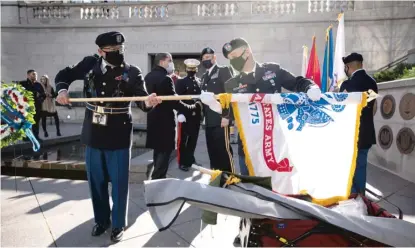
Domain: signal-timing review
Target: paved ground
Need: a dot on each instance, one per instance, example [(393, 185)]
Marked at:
[(49, 212)]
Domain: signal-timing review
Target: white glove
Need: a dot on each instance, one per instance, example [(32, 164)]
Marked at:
[(209, 99), (181, 118), (224, 122), (314, 93)]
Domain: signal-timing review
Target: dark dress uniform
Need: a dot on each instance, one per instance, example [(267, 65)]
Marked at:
[(360, 81), (107, 131), (217, 138), (190, 85), (161, 121)]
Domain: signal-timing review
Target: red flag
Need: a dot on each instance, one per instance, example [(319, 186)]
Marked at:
[(313, 69)]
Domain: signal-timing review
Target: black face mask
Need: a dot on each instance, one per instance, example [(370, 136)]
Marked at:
[(207, 64), (239, 62), (346, 69), (191, 73), (114, 58)]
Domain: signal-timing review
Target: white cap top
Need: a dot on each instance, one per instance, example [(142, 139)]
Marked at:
[(192, 63)]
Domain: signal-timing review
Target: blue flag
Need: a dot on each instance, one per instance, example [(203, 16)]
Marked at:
[(327, 76)]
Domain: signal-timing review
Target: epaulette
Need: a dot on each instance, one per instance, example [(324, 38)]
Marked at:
[(271, 65)]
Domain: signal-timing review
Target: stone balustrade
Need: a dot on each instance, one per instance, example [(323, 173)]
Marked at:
[(217, 9), (99, 12), (53, 12), (315, 6), (43, 12), (273, 7), (149, 11)]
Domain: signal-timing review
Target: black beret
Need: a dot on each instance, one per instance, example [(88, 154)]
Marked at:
[(207, 50), (352, 57), (110, 39), (232, 45)]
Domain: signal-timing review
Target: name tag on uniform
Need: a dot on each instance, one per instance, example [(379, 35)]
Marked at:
[(99, 119)]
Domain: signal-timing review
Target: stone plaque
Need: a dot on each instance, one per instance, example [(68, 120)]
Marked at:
[(387, 106), (405, 140), (407, 106), (375, 107), (385, 137)]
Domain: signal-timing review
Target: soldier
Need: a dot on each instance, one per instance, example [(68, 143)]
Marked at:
[(107, 126), (190, 85), (360, 81), (265, 78), (216, 128)]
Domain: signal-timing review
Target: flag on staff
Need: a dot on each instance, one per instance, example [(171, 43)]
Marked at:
[(304, 63), (327, 76), (282, 133), (339, 53), (313, 69)]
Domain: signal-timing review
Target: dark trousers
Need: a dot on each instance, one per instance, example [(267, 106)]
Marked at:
[(188, 141), (105, 166), (243, 168), (55, 116), (359, 179), (37, 117), (158, 169), (219, 149)]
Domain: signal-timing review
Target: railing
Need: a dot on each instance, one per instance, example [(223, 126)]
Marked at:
[(393, 63), (177, 10), (217, 9)]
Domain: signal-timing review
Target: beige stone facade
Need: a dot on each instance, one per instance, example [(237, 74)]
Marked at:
[(48, 37)]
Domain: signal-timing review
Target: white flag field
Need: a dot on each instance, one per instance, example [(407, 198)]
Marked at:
[(306, 147), (339, 53)]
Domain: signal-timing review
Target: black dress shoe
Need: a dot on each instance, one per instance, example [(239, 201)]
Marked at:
[(98, 229), (46, 134), (58, 133), (117, 234), (183, 168), (237, 241)]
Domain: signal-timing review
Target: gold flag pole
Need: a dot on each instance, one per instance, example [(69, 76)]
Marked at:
[(371, 96), (134, 98)]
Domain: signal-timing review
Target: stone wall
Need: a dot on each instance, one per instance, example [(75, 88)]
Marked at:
[(48, 39), (395, 127)]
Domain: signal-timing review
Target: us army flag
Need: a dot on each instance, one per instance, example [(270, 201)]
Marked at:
[(305, 146)]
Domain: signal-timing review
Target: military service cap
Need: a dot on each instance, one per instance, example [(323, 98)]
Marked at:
[(110, 39), (191, 64), (207, 50), (232, 45), (352, 57)]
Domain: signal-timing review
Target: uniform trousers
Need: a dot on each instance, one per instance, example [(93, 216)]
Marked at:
[(188, 141), (219, 149), (243, 168), (158, 169), (105, 166), (359, 179)]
